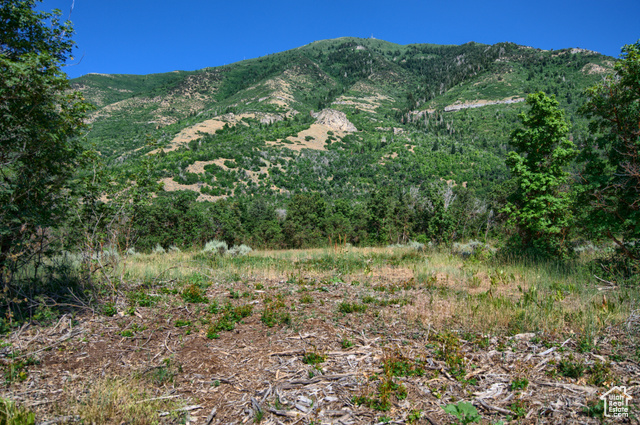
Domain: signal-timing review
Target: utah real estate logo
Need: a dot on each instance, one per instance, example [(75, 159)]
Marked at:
[(616, 402)]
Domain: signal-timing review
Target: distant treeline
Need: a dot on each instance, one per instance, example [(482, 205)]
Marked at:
[(437, 213)]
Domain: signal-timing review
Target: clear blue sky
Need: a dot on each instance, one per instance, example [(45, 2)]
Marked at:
[(149, 36)]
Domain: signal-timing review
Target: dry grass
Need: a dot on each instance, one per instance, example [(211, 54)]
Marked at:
[(116, 400)]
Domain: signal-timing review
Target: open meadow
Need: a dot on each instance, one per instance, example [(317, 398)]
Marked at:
[(342, 335)]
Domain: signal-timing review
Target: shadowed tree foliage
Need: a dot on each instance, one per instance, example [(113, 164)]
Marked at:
[(611, 176), (40, 122)]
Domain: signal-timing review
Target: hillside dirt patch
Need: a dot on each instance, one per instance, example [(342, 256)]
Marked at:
[(312, 138), (171, 185)]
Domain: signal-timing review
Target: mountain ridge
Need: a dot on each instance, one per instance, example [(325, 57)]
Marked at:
[(427, 95)]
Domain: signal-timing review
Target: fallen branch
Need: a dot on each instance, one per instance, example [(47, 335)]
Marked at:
[(496, 408), (182, 409)]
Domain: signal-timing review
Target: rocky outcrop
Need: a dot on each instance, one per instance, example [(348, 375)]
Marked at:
[(480, 103), (336, 120)]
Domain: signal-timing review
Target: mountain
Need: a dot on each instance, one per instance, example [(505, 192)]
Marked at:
[(340, 117)]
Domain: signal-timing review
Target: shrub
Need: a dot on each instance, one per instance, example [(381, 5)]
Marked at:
[(216, 247), (240, 250)]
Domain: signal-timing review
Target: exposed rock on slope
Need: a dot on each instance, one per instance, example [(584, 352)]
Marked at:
[(480, 103), (336, 120)]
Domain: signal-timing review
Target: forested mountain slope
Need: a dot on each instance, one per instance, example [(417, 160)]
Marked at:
[(406, 116)]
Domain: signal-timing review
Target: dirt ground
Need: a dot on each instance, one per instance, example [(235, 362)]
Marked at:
[(334, 351)]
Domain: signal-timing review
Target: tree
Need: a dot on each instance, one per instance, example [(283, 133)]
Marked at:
[(611, 175), (40, 124), (541, 205)]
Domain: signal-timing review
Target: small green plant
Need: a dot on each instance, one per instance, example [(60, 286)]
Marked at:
[(571, 368), (313, 358), (414, 416), (464, 411), (109, 309), (228, 320), (594, 409), (182, 323), (346, 343), (275, 313), (12, 414), (519, 408), (519, 384), (16, 370), (395, 364), (306, 299), (599, 374), (258, 416), (347, 307), (214, 307), (193, 294), (165, 373), (127, 333)]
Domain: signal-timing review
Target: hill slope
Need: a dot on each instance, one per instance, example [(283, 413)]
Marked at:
[(420, 113)]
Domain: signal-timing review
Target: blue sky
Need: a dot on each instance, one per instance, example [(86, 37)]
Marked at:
[(149, 36)]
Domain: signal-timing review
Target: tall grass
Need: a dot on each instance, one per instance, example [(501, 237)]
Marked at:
[(506, 295)]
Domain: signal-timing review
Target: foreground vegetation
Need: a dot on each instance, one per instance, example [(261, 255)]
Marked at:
[(418, 316)]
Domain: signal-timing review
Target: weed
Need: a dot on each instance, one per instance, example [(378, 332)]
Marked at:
[(164, 374), (347, 307), (214, 307), (395, 364), (313, 358), (275, 313), (346, 343), (12, 414), (594, 409), (519, 384), (449, 352), (16, 370), (571, 368), (258, 416), (306, 299), (228, 320), (464, 411), (182, 323), (519, 408), (109, 309), (599, 374), (193, 294), (116, 400), (141, 299), (414, 416)]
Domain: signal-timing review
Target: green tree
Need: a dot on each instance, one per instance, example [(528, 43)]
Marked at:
[(541, 205), (611, 175), (40, 124), (304, 224)]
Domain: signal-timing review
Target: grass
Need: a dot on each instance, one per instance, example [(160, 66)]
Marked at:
[(511, 296), (120, 400)]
